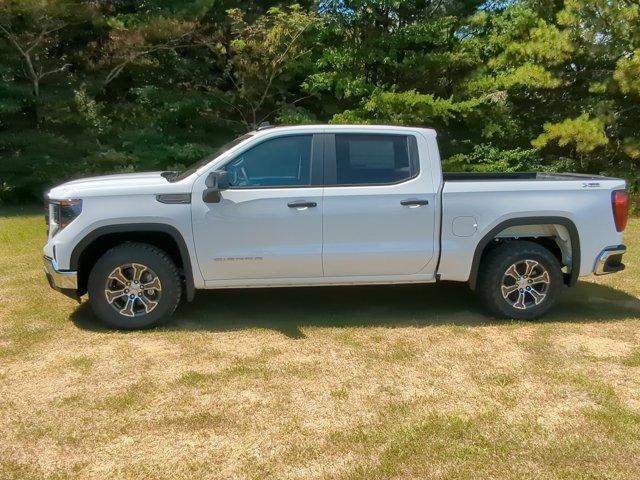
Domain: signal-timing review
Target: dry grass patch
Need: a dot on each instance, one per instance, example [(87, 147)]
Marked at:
[(379, 382)]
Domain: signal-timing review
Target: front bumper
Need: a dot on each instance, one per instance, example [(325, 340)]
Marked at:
[(610, 260), (65, 282)]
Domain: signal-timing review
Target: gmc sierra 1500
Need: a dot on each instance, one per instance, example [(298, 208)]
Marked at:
[(328, 205)]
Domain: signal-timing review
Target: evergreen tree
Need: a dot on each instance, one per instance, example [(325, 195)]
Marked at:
[(94, 87)]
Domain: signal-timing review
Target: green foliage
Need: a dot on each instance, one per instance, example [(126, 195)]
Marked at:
[(95, 87), (544, 45), (263, 57), (486, 158), (90, 112), (408, 108), (582, 134), (627, 74), (295, 116)]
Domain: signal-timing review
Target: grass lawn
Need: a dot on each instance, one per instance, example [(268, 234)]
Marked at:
[(375, 382)]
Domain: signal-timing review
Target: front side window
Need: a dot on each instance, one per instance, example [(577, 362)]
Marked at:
[(279, 162), (373, 159), (177, 176)]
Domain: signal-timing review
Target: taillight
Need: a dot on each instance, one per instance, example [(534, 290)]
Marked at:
[(620, 206)]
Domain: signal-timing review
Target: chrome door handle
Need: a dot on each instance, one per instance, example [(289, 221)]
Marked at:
[(302, 204), (413, 202)]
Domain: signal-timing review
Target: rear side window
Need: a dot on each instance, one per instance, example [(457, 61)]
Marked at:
[(363, 159), (279, 162)]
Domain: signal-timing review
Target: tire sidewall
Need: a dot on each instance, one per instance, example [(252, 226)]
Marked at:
[(497, 266), (152, 258)]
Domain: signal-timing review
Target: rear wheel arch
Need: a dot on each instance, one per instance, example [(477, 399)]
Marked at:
[(100, 240), (484, 245)]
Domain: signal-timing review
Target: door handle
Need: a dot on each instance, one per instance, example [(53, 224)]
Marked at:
[(302, 204), (414, 202)]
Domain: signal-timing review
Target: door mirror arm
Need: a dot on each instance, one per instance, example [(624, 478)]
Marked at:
[(215, 183)]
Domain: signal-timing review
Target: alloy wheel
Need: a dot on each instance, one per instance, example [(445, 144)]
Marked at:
[(525, 284), (133, 289)]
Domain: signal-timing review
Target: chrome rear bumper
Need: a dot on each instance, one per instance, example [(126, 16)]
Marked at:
[(610, 260), (64, 281)]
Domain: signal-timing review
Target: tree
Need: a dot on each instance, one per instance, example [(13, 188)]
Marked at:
[(137, 44), (93, 87), (261, 59), (32, 33)]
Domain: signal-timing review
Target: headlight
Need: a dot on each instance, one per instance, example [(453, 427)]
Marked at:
[(61, 213)]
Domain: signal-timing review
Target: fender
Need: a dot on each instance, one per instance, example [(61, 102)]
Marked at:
[(515, 222), (140, 227)]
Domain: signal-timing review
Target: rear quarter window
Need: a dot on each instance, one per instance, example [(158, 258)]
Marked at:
[(364, 159)]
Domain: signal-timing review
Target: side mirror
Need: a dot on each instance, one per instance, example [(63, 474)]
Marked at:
[(215, 182)]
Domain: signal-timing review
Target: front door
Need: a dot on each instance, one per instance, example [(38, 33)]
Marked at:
[(268, 223), (379, 208)]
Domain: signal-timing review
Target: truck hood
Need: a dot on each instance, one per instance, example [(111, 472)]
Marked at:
[(121, 184)]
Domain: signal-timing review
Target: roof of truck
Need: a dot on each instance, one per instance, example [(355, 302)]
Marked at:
[(345, 128)]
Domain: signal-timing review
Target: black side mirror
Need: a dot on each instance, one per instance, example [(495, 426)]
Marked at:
[(215, 182)]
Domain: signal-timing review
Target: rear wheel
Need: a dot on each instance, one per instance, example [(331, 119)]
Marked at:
[(134, 285), (519, 280)]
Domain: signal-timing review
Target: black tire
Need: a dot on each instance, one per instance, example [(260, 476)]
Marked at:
[(146, 311), (496, 274)]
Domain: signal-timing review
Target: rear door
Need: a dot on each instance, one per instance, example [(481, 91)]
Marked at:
[(379, 207)]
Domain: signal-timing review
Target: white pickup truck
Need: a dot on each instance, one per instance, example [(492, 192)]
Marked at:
[(328, 205)]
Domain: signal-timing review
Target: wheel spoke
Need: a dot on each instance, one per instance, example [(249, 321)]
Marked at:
[(508, 290), (137, 271), (113, 294), (537, 296), (147, 303), (118, 276), (127, 310), (152, 285), (531, 264), (512, 272), (544, 278), (520, 302)]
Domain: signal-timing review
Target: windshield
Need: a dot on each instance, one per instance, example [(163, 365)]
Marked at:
[(176, 176)]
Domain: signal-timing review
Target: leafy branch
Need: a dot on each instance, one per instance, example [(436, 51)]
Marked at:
[(28, 49)]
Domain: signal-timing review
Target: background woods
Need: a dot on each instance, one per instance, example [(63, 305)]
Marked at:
[(92, 87)]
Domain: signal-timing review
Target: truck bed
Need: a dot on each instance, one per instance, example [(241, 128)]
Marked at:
[(475, 203), (491, 176)]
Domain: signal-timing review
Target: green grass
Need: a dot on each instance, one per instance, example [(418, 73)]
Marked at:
[(347, 383)]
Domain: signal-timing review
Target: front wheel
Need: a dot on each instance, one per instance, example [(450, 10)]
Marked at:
[(519, 280), (134, 285)]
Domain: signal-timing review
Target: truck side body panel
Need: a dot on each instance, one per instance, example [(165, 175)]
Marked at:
[(484, 204)]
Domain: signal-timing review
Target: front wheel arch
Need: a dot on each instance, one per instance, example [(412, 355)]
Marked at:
[(160, 235)]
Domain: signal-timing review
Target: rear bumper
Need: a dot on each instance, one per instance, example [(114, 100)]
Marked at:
[(610, 260), (65, 282)]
